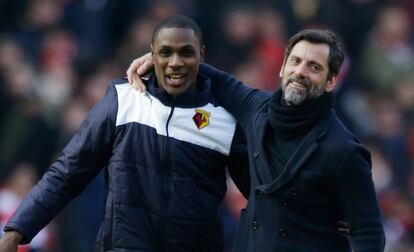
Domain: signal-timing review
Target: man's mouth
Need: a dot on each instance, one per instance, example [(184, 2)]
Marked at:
[(175, 79), (299, 83)]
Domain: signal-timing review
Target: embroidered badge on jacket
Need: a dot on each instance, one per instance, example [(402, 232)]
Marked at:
[(201, 118)]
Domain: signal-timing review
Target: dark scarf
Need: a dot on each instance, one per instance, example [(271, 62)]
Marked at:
[(288, 121)]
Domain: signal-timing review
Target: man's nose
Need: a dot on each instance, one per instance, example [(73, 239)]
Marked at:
[(175, 61), (301, 70)]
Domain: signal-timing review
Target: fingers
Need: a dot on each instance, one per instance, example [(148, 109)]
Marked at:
[(132, 69), (343, 227), (344, 231), (140, 66), (137, 83), (343, 224), (145, 68)]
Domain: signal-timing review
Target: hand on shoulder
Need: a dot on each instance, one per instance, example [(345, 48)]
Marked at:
[(10, 241)]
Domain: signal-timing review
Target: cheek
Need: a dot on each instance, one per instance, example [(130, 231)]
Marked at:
[(160, 62), (288, 69), (318, 84), (158, 67)]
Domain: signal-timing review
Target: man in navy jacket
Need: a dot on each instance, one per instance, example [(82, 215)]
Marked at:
[(307, 170), (164, 153)]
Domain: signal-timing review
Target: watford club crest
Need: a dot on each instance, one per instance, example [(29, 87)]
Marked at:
[(201, 118)]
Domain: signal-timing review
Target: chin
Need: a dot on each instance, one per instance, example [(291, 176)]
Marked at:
[(175, 92), (294, 97)]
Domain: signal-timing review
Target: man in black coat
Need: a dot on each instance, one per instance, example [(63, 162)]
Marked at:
[(307, 170)]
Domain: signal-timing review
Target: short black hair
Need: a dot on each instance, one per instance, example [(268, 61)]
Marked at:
[(318, 36), (178, 21)]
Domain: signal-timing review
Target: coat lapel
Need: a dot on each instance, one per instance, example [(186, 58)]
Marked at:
[(302, 153)]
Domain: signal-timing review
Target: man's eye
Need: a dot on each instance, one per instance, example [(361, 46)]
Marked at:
[(294, 60), (315, 68), (164, 53), (188, 53)]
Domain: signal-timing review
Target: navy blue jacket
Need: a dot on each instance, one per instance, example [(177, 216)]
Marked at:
[(164, 162), (327, 179)]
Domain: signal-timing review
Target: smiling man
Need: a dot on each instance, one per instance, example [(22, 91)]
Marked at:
[(307, 169), (164, 153), (296, 82), (177, 54)]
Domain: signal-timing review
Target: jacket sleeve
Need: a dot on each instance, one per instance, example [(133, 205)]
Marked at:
[(238, 163), (238, 99), (358, 199), (80, 161)]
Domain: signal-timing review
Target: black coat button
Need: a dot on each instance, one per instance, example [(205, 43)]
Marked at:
[(282, 232), (256, 154), (255, 225), (284, 203)]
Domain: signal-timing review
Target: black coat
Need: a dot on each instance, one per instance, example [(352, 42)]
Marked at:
[(327, 179)]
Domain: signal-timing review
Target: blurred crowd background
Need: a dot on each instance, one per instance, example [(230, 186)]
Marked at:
[(57, 56)]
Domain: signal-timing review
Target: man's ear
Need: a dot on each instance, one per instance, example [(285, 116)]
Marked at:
[(152, 50), (330, 85), (202, 52)]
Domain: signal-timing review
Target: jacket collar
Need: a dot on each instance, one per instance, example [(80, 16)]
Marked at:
[(197, 97), (303, 152)]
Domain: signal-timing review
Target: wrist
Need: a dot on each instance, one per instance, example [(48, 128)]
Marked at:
[(14, 236)]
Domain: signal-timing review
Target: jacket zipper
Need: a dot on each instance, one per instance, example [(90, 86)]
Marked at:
[(169, 119), (167, 180)]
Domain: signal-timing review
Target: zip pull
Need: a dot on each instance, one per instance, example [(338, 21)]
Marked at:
[(170, 116)]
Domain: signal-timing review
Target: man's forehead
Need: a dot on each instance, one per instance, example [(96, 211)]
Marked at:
[(175, 46), (176, 35), (313, 51)]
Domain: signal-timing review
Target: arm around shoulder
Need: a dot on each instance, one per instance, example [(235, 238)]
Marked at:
[(233, 95)]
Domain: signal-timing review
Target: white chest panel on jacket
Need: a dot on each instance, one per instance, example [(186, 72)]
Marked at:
[(207, 126)]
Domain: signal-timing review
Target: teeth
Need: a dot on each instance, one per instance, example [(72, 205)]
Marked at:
[(299, 84), (178, 76)]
